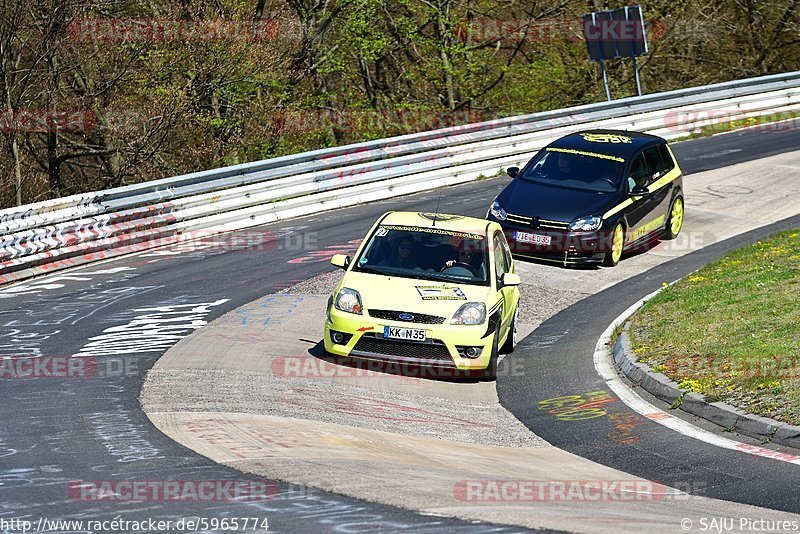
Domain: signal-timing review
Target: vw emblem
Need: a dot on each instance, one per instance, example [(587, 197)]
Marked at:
[(405, 317)]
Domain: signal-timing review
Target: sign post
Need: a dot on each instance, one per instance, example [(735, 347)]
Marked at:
[(614, 34), (605, 80)]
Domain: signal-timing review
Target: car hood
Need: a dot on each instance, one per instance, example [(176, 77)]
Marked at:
[(522, 197), (413, 295)]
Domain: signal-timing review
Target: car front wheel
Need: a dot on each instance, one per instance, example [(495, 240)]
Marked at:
[(614, 253), (511, 339)]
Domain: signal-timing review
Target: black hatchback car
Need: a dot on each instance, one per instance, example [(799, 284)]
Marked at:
[(590, 196)]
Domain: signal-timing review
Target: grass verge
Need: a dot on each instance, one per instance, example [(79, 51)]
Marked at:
[(731, 331)]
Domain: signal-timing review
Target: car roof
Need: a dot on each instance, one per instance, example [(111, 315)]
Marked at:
[(621, 143), (445, 221)]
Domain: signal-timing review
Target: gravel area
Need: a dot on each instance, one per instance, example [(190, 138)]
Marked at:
[(538, 303), (231, 391), (322, 284)]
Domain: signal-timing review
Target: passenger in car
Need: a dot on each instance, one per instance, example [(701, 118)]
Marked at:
[(402, 255)]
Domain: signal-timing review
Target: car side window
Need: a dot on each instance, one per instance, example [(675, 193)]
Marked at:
[(655, 167), (506, 252), (638, 174), (666, 159), (500, 264)]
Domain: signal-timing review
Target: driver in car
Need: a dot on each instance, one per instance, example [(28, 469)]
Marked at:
[(466, 255), (558, 165)]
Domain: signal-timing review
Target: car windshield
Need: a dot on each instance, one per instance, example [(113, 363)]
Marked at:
[(427, 254), (575, 169)]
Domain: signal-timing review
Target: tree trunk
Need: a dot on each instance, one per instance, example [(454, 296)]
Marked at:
[(445, 41), (17, 170), (12, 134), (12, 131), (53, 163)]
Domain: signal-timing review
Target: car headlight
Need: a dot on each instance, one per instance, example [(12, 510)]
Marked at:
[(348, 300), (586, 224), (470, 313), (497, 211)]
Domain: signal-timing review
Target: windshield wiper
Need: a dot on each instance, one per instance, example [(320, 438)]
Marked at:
[(447, 279), (532, 175), (428, 277), (371, 270), (433, 277)]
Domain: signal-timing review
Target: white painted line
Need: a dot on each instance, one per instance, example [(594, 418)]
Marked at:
[(608, 371)]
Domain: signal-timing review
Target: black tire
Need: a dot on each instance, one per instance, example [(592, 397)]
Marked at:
[(511, 339), (613, 255), (671, 231), (490, 373)]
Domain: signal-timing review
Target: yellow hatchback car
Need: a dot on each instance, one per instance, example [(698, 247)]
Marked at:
[(427, 289)]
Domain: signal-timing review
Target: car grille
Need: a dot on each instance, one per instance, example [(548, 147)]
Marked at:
[(535, 222), (431, 350), (392, 315)]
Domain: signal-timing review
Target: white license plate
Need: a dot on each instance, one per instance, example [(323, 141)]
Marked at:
[(536, 239), (411, 334)]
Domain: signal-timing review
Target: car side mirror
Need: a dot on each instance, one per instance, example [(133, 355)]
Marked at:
[(340, 260), (512, 171), (510, 279), (639, 190)]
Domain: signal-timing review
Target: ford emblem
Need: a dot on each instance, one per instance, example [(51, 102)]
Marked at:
[(406, 317)]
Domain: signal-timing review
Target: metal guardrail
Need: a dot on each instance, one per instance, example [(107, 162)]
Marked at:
[(64, 232)]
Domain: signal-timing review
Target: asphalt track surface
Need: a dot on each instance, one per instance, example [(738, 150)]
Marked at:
[(56, 431)]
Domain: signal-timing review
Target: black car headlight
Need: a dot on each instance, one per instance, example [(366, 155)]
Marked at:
[(497, 211), (586, 224)]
